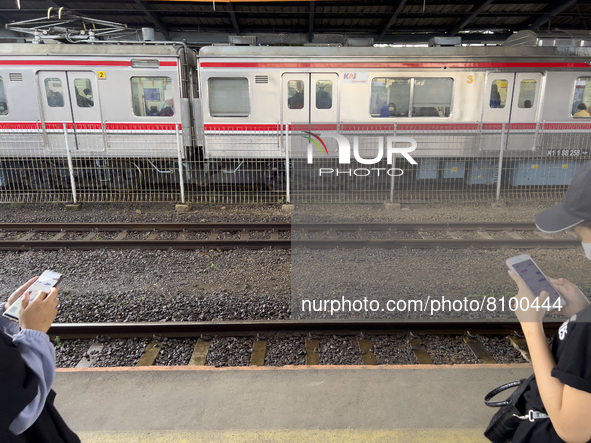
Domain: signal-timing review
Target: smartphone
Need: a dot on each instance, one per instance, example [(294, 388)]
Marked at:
[(534, 278), (44, 283)]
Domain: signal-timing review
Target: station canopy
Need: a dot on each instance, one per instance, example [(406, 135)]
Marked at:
[(338, 22)]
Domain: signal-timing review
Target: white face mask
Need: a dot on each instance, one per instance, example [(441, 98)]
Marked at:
[(587, 249)]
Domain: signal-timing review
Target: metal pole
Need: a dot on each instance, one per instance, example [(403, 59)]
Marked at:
[(499, 175), (180, 160), (393, 166), (70, 164), (287, 181)]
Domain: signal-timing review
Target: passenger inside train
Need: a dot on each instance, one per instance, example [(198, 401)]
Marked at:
[(581, 111)]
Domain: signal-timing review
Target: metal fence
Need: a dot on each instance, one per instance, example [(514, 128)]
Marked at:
[(482, 161)]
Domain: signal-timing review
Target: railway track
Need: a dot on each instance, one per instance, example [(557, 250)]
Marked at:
[(55, 236), (258, 335)]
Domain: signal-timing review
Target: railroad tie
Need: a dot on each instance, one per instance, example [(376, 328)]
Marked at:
[(521, 345), (121, 235), (420, 351), (90, 357), (150, 353), (58, 236), (90, 236), (479, 350), (259, 350), (367, 355), (200, 352), (312, 352), (27, 236)]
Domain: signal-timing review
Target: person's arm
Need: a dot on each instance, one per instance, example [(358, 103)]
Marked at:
[(39, 356), (567, 407), (38, 353)]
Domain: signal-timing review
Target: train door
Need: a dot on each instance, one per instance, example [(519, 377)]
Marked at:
[(310, 102), (513, 98), (71, 97)]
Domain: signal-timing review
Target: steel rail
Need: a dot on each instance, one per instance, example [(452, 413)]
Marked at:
[(254, 327), (300, 230), (82, 227)]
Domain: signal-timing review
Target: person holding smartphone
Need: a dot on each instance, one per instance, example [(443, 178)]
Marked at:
[(560, 394), (27, 370)]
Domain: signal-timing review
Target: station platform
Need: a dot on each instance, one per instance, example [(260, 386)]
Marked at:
[(425, 403)]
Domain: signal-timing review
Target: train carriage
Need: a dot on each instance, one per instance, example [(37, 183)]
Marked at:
[(120, 104), (245, 113), (453, 101)]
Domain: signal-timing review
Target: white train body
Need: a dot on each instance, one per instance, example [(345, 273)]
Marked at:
[(453, 85), (230, 103), (42, 88)]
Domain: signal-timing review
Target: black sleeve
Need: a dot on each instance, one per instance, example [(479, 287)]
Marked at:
[(16, 390), (574, 358)]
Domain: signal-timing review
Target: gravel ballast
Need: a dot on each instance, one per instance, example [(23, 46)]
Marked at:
[(212, 285)]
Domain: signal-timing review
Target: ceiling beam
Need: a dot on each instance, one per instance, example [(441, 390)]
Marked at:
[(393, 18), (311, 21), (549, 12), (476, 9), (153, 18), (233, 18)]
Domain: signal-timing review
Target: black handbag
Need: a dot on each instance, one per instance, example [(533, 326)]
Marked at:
[(504, 423)]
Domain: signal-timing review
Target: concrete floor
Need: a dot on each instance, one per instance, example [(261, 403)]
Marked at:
[(319, 403)]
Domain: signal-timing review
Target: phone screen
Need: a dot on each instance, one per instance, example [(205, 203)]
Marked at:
[(535, 279), (44, 283)]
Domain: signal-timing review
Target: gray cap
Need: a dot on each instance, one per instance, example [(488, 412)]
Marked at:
[(576, 207)]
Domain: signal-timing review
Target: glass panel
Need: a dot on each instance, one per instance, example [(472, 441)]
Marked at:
[(390, 97), (3, 102), (295, 94), (582, 97), (432, 97), (323, 94), (498, 93), (527, 93), (228, 97), (83, 90), (152, 96), (54, 92)]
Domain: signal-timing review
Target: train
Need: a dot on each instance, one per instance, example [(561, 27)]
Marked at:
[(120, 111)]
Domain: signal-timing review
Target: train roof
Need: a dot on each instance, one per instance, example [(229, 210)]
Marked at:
[(102, 49), (393, 52)]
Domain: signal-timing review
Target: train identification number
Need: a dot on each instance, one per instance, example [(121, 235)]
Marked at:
[(566, 153)]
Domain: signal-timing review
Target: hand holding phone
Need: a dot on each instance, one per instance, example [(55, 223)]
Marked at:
[(45, 283), (525, 267)]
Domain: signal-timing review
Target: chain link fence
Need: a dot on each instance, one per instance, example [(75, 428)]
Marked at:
[(480, 161)]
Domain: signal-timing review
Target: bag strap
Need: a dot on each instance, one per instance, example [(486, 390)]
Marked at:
[(532, 415), (497, 390)]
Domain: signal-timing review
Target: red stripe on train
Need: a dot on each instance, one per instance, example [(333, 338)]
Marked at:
[(437, 65), (75, 63), (90, 126)]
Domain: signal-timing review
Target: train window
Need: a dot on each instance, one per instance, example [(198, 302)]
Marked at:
[(228, 97), (498, 93), (295, 94), (582, 97), (54, 92), (390, 97), (432, 97), (152, 96), (323, 94), (3, 102), (83, 89), (527, 93)]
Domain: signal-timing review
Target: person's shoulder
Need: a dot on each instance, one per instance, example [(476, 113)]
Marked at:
[(584, 316)]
